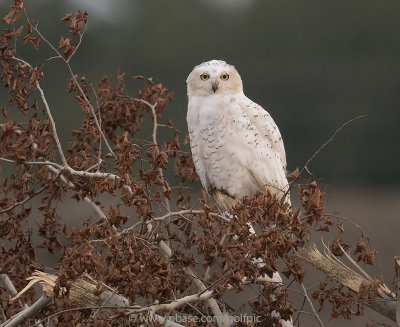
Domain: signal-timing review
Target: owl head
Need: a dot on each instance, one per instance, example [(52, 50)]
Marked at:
[(214, 77)]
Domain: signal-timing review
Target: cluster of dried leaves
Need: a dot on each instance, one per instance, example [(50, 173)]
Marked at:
[(105, 156), (344, 303)]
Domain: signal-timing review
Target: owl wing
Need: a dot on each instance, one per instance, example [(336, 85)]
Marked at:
[(196, 145), (266, 126), (230, 153)]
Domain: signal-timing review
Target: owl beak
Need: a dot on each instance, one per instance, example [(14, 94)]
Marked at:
[(214, 86)]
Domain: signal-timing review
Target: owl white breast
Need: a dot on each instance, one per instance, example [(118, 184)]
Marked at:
[(236, 146)]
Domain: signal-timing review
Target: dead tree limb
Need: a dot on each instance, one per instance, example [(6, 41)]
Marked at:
[(25, 314), (331, 266)]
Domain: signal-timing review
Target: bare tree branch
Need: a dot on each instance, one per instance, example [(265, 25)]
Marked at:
[(311, 305), (52, 122), (79, 42), (330, 140), (154, 136), (30, 196), (74, 172), (16, 204), (332, 267), (175, 214), (305, 167), (199, 284), (67, 63), (25, 314)]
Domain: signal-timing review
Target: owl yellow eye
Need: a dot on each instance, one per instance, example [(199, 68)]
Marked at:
[(224, 77), (204, 77)]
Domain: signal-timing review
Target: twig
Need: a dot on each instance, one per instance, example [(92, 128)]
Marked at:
[(52, 122), (330, 140), (74, 172), (41, 36), (191, 212), (97, 175), (298, 312), (363, 233), (7, 160), (176, 213), (58, 169), (199, 284), (31, 162), (67, 63), (79, 42), (99, 111), (211, 301), (305, 167), (96, 165), (30, 196), (154, 137), (311, 305), (91, 108)]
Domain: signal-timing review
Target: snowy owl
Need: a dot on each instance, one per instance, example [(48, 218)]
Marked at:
[(236, 146)]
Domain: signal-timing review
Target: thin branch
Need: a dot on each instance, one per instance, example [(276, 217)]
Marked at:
[(311, 305), (154, 137), (91, 108), (7, 160), (67, 63), (298, 312), (97, 175), (305, 167), (29, 197), (74, 172), (363, 233), (96, 165), (41, 36), (199, 284), (203, 289), (44, 163), (176, 213), (330, 140), (79, 42), (58, 169), (191, 212), (99, 112), (16, 204), (52, 122)]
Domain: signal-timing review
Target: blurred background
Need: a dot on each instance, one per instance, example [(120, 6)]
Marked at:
[(312, 64)]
